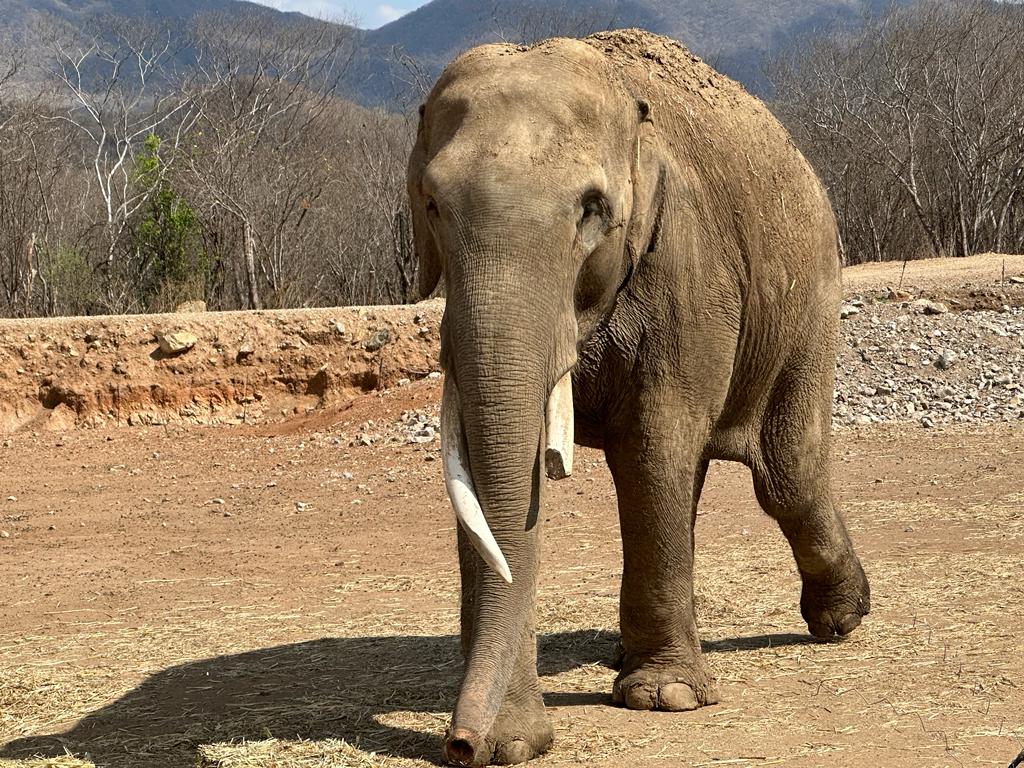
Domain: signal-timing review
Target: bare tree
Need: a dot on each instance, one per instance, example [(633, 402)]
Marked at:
[(916, 125), (118, 88), (261, 156)]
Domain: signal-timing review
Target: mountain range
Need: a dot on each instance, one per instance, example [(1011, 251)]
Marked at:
[(733, 35)]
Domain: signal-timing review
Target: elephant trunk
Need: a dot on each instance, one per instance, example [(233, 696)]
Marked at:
[(499, 388)]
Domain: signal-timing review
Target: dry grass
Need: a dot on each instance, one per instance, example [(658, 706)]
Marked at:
[(273, 753)]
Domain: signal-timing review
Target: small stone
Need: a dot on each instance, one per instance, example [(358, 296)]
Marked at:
[(339, 328), (402, 382), (378, 340), (302, 506), (425, 435), (216, 501), (929, 307), (848, 310), (1017, 280), (926, 422), (175, 342), (946, 360), (434, 375), (4, 535)]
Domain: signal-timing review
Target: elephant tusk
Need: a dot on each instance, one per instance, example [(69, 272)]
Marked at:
[(459, 483), (560, 430)]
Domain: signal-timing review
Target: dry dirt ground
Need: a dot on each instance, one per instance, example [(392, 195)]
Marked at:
[(278, 594)]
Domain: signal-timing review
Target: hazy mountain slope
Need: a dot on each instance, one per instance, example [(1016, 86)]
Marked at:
[(734, 35)]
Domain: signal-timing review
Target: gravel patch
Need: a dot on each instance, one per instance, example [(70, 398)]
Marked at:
[(904, 362)]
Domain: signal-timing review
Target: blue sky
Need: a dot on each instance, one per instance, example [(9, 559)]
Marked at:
[(368, 13)]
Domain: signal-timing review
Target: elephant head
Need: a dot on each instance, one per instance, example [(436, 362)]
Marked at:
[(534, 190)]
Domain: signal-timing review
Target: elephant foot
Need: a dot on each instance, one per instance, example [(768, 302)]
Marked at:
[(675, 688), (833, 608), (520, 733)]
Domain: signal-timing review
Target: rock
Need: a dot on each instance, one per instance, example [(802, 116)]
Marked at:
[(946, 360), (425, 435), (378, 340), (928, 307), (244, 352), (191, 306), (848, 310), (926, 422), (4, 535), (339, 328), (175, 342), (1017, 280)]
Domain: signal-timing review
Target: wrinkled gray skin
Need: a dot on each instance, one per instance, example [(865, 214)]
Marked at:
[(617, 208)]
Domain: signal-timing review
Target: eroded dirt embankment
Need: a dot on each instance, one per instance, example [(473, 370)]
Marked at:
[(237, 367), (963, 361)]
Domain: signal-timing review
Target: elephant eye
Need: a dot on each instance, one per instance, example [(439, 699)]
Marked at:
[(431, 207), (593, 205)]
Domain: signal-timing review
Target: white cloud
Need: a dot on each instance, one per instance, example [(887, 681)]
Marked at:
[(388, 13)]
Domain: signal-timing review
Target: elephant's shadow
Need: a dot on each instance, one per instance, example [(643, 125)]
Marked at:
[(386, 694)]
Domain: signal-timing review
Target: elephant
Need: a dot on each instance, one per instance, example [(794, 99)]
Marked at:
[(636, 258)]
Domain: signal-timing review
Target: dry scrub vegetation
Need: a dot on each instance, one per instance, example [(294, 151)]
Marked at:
[(145, 166)]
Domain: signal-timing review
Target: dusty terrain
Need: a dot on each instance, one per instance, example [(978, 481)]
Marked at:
[(280, 590)]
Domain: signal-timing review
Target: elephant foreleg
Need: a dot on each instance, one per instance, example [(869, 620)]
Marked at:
[(658, 470), (522, 729)]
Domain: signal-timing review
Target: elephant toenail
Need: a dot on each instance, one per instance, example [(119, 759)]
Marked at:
[(512, 752), (677, 697), (640, 697)]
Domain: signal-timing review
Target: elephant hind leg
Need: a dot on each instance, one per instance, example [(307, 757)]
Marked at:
[(792, 480)]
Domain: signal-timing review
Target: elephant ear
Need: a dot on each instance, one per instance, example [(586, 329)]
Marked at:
[(648, 187), (429, 269)]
